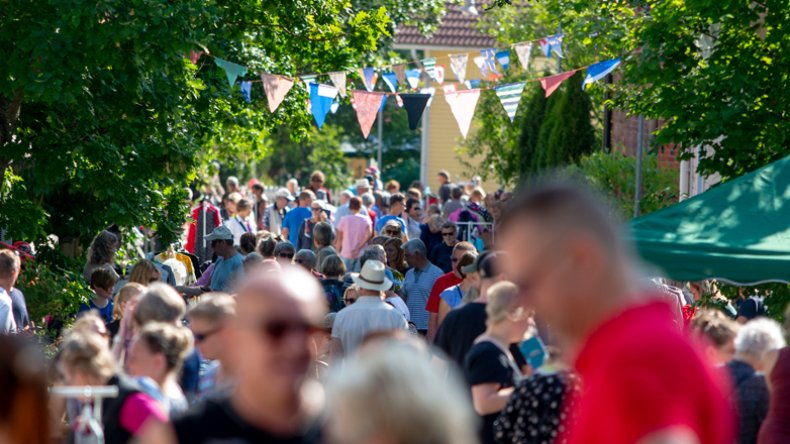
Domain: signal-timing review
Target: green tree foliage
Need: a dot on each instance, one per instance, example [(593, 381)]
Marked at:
[(615, 175), (715, 71), (103, 119), (566, 132)]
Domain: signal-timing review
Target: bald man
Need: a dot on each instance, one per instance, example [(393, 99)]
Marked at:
[(272, 332), (644, 382)]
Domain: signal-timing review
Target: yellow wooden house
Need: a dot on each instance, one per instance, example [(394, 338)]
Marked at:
[(440, 134)]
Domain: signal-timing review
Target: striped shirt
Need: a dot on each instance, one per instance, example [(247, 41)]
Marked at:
[(417, 287)]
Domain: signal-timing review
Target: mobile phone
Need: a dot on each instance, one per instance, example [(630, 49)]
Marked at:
[(534, 352)]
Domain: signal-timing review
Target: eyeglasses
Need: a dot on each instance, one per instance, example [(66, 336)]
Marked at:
[(448, 234), (392, 232), (286, 255), (200, 337), (277, 329)]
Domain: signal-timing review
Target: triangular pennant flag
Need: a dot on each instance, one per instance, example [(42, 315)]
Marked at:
[(335, 106), (194, 56), (399, 101), (400, 73), (369, 77), (383, 102), (458, 66), (338, 79), (321, 98), (415, 105), (599, 70), (524, 52), (503, 57), (440, 74), (308, 79), (472, 83), (246, 91), (430, 91), (232, 70), (480, 62), (367, 105), (489, 57), (391, 80), (413, 77), (463, 104), (429, 65), (510, 96), (551, 83), (275, 87), (555, 44), (449, 88)]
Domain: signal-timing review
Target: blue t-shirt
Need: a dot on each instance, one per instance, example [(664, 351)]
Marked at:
[(105, 313), (452, 296), (380, 223), (226, 272), (294, 219)]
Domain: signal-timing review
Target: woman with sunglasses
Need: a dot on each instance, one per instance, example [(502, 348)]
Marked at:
[(489, 367), (465, 291)]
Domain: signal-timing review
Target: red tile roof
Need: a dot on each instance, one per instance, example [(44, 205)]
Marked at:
[(456, 30)]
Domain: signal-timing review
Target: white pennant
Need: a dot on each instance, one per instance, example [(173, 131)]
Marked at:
[(463, 104), (524, 52), (338, 79), (458, 65)]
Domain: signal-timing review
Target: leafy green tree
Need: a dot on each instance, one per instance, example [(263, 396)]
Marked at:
[(566, 132), (525, 156)]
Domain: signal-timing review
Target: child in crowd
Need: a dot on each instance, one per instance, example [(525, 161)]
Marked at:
[(103, 281)]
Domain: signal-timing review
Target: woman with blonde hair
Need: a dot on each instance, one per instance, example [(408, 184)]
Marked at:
[(156, 357), (144, 272), (489, 367), (125, 301), (396, 257)]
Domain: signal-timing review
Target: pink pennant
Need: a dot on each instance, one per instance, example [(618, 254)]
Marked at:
[(439, 73), (550, 84), (463, 104), (275, 87), (367, 105), (194, 56)]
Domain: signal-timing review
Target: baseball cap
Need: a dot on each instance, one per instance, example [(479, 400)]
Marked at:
[(284, 193), (220, 233)]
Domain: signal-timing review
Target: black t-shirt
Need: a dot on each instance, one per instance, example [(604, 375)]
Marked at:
[(459, 330), (486, 363), (214, 421), (442, 257)]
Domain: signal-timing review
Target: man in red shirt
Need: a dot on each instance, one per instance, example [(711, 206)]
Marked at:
[(643, 381), (446, 281)]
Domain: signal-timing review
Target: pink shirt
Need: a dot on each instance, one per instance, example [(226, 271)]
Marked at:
[(356, 230)]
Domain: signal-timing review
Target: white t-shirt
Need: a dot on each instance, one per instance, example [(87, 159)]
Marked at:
[(7, 323)]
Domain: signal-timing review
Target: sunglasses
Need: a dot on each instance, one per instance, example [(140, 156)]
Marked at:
[(277, 329), (392, 232), (448, 234), (200, 337), (286, 255), (349, 301)]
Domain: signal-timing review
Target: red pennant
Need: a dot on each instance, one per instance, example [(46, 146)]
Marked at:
[(367, 105), (550, 84), (194, 56)]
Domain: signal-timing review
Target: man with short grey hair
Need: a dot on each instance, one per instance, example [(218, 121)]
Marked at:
[(9, 271), (418, 282)]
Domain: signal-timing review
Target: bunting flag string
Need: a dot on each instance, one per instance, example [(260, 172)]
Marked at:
[(391, 80), (599, 70), (232, 70), (429, 65), (415, 105), (367, 105), (458, 66), (503, 57), (510, 96), (338, 79), (489, 58), (463, 104), (524, 52), (275, 87), (413, 78), (551, 83), (321, 98), (552, 44)]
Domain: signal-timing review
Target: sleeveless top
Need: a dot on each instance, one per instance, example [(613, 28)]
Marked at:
[(776, 427)]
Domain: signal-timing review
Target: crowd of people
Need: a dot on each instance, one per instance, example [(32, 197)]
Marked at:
[(392, 317)]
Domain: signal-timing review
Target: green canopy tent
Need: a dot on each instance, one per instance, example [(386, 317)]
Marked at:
[(738, 231)]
